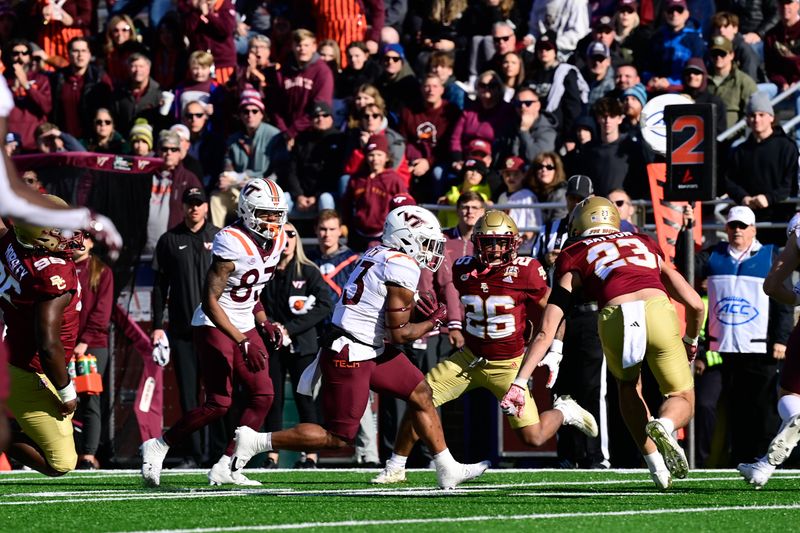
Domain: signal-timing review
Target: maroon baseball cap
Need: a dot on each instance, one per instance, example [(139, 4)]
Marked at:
[(377, 142), (513, 163), (479, 146), (400, 200), (634, 4), (675, 3)]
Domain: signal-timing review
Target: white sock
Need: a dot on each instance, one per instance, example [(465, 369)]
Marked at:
[(264, 442), (396, 461), (444, 459), (668, 424), (655, 462), (788, 407), (764, 464)]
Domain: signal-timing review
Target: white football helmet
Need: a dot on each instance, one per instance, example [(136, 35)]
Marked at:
[(260, 196), (415, 231)]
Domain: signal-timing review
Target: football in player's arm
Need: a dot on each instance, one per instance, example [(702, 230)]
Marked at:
[(627, 275)]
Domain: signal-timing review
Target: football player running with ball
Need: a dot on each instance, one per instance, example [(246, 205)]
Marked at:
[(500, 293), (228, 326), (627, 275), (358, 352)]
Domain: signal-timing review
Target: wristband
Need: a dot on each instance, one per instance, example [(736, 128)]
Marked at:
[(521, 383), (557, 346), (691, 341), (68, 393)]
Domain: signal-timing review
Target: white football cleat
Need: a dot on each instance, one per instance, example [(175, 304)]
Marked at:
[(784, 442), (153, 453), (575, 415), (387, 476), (757, 474), (662, 479), (669, 449), (220, 474), (450, 477), (246, 439)]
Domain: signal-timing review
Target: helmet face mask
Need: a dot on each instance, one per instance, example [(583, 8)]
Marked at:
[(496, 239), (52, 240), (263, 208), (416, 232), (594, 216)]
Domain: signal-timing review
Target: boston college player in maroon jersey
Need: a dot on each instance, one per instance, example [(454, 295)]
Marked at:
[(39, 303), (501, 293), (628, 277)]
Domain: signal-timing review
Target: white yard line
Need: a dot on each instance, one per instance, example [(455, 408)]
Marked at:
[(169, 494), (486, 518)]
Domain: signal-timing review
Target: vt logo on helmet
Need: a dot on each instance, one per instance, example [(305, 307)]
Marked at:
[(496, 239), (594, 216), (415, 231), (48, 239), (263, 208)]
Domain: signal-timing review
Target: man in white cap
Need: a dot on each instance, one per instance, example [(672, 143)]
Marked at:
[(763, 169), (749, 330)]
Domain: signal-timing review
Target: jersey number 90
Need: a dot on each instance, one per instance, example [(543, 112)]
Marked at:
[(485, 318)]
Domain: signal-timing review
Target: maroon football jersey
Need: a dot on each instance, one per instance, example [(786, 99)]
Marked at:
[(25, 278), (611, 265), (498, 303)]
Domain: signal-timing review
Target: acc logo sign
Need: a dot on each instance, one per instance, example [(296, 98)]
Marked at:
[(735, 311)]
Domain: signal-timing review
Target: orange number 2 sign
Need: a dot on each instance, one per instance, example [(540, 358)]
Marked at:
[(687, 153)]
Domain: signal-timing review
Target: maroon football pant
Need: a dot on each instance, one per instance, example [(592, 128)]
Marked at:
[(220, 360), (346, 386)]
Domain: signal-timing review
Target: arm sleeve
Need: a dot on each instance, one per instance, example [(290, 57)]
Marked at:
[(448, 293)]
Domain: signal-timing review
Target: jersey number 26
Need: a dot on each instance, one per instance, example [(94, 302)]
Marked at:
[(485, 319)]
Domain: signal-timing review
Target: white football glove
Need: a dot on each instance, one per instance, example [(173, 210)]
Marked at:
[(161, 352), (552, 361)]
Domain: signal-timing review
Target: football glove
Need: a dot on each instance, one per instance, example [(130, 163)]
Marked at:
[(161, 352), (431, 310), (272, 335), (513, 403), (103, 231), (254, 358), (552, 361), (691, 347)]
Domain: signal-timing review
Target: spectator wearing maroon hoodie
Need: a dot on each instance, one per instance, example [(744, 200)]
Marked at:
[(367, 199), (427, 129), (304, 80), (97, 300), (487, 118), (209, 24), (31, 89)]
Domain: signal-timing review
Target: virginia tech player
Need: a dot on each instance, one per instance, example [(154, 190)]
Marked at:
[(226, 335), (40, 304), (358, 350), (759, 472), (626, 274), (500, 292)]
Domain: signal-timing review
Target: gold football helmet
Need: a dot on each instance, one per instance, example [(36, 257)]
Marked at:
[(496, 238), (50, 239), (594, 216)]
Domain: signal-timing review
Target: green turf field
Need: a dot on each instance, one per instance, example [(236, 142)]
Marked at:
[(342, 500)]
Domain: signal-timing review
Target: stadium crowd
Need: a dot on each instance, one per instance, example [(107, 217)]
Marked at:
[(349, 105)]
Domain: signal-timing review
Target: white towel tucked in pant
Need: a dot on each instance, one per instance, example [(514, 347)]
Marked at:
[(634, 341)]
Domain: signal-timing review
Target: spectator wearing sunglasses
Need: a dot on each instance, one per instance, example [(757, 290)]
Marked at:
[(316, 163), (31, 90), (549, 182), (534, 132), (732, 85), (397, 84), (206, 145), (678, 39), (626, 209), (169, 184), (104, 138)]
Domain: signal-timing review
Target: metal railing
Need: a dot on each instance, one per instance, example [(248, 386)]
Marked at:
[(733, 130)]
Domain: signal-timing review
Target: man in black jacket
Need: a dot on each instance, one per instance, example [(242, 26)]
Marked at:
[(182, 257), (317, 163), (79, 90), (140, 98)]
